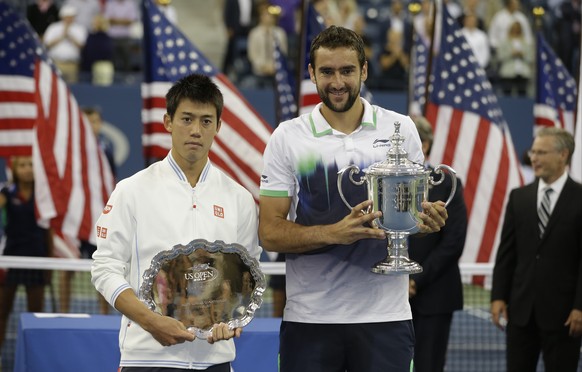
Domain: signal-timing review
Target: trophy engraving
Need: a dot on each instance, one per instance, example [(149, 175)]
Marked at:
[(204, 283), (397, 188), (402, 200)]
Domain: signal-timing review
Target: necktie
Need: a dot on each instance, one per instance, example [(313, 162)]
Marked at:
[(544, 211)]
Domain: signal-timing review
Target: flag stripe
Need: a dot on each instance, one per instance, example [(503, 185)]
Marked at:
[(495, 206)]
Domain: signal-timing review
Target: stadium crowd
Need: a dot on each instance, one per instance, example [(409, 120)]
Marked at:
[(100, 40)]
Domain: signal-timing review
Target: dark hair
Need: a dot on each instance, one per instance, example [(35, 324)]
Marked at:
[(424, 130), (564, 139), (197, 88), (335, 37)]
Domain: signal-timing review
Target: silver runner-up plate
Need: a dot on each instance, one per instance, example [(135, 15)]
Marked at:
[(204, 283)]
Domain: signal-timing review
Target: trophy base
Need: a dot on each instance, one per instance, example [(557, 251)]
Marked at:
[(397, 266)]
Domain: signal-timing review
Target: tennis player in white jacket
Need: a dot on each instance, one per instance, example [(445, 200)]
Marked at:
[(174, 201)]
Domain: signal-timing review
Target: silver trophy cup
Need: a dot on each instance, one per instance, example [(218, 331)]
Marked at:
[(397, 187)]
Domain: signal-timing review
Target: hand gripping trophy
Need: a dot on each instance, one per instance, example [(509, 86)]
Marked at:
[(397, 187)]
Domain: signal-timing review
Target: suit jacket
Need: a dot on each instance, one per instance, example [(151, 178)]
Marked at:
[(439, 287), (540, 275)]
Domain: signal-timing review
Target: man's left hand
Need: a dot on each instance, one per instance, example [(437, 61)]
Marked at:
[(433, 217), (222, 331)]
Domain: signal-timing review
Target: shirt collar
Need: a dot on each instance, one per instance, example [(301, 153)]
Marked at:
[(320, 127), (180, 173), (557, 185)]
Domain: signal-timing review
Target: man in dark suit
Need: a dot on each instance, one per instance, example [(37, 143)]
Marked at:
[(437, 292), (537, 279)]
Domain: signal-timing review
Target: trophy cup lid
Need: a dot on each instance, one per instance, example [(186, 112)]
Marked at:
[(396, 163)]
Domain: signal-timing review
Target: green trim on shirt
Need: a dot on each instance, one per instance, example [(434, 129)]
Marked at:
[(373, 123), (314, 130), (274, 193)]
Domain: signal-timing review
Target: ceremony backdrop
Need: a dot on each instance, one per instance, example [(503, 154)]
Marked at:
[(121, 106)]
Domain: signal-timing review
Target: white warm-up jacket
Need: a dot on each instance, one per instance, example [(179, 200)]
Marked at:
[(153, 211)]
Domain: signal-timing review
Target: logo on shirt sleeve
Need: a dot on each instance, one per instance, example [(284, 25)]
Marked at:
[(101, 232), (218, 211), (107, 209)]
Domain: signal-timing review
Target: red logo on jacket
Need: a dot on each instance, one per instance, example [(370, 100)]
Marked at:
[(101, 232), (218, 211), (107, 209)]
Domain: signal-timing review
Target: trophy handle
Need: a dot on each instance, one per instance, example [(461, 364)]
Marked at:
[(452, 173), (354, 169)]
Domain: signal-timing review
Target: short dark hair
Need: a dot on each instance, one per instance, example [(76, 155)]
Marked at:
[(335, 37), (197, 88), (564, 139)]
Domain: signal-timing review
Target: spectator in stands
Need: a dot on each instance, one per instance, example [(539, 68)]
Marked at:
[(350, 16), (475, 8), (121, 14), (41, 14), (168, 10), (328, 10), (287, 18), (536, 295), (477, 39), (503, 20), (437, 291), (87, 10), (515, 56), (261, 45), (290, 9), (394, 63), (399, 20), (220, 209), (454, 9), (339, 315), (86, 248), (238, 17), (64, 41), (24, 237), (567, 28), (97, 53), (96, 121), (423, 22)]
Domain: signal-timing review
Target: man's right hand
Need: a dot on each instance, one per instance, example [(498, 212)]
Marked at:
[(499, 314), (168, 331), (356, 225)]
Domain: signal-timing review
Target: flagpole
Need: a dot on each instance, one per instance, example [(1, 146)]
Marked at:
[(300, 69), (430, 57), (538, 13), (413, 9), (576, 162)]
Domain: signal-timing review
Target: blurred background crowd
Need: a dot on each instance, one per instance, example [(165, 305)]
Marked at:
[(100, 41)]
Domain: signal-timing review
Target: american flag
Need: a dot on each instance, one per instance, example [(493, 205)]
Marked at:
[(309, 97), (40, 117), (284, 89), (555, 103), (472, 136), (170, 56)]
